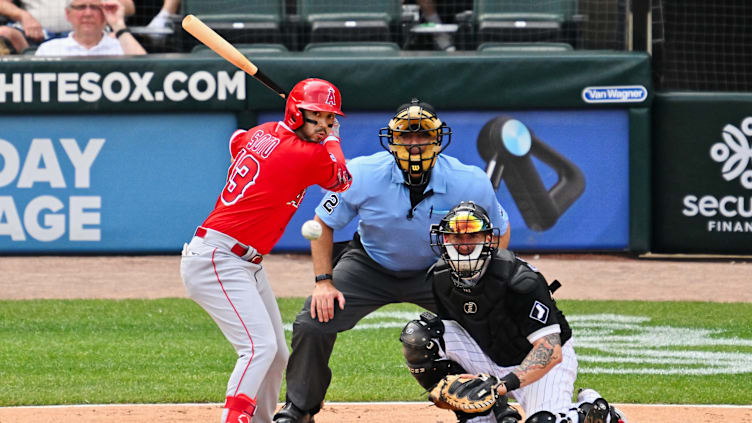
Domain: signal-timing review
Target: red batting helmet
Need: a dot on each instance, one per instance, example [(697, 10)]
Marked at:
[(311, 94)]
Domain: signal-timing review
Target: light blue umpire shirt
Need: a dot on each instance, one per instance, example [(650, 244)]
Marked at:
[(380, 198)]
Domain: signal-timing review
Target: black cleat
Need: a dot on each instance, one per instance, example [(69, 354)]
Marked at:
[(289, 413), (598, 413)]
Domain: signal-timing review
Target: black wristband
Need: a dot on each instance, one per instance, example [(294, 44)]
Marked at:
[(122, 31), (323, 277), (511, 381)]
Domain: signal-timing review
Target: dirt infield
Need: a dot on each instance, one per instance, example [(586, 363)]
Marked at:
[(342, 413), (601, 277), (597, 277)]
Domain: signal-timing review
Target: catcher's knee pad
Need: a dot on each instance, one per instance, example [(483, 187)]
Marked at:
[(544, 416), (420, 346)]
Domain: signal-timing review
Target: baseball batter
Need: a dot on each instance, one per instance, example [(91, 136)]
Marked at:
[(497, 316), (272, 165), (396, 196)]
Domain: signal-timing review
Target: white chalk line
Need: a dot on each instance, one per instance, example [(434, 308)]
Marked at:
[(630, 340), (392, 403)]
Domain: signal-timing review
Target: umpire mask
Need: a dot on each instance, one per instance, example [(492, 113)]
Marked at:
[(414, 136), (465, 238)]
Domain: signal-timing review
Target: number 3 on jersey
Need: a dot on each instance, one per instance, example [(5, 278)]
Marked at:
[(242, 174)]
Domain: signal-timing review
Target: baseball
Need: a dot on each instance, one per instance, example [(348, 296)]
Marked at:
[(311, 230)]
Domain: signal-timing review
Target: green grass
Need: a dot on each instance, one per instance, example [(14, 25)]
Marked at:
[(169, 350)]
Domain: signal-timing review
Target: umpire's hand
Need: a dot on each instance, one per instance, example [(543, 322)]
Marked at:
[(322, 300)]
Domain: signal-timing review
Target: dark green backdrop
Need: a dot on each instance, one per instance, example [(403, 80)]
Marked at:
[(461, 81)]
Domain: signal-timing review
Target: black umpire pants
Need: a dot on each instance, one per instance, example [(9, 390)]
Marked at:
[(366, 286)]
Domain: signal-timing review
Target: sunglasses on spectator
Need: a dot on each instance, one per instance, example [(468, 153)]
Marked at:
[(80, 7)]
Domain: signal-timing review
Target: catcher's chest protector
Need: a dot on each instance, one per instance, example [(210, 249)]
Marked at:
[(484, 313)]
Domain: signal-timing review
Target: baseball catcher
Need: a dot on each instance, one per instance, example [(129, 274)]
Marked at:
[(499, 328)]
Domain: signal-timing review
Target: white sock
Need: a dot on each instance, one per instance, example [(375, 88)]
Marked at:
[(161, 20)]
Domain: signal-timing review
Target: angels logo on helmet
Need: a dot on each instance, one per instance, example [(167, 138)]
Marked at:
[(311, 94), (331, 98)]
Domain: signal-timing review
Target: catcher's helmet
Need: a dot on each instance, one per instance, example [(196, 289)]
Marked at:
[(415, 117), (313, 94), (466, 254)]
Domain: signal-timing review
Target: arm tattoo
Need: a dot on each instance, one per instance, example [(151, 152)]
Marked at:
[(538, 358)]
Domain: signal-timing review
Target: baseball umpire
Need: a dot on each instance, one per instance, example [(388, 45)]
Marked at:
[(396, 194), (497, 317), (272, 165)]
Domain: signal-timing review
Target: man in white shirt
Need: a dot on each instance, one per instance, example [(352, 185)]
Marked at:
[(37, 21), (88, 38)]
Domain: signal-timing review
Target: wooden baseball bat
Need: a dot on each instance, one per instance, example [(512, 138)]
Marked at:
[(214, 41)]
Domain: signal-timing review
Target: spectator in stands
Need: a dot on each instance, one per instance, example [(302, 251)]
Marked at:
[(36, 21), (166, 15), (428, 9), (442, 12), (88, 38)]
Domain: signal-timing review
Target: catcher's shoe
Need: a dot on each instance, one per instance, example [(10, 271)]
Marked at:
[(289, 413), (591, 395), (596, 412), (616, 415)]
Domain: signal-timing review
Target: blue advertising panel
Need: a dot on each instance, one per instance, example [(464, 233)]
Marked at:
[(106, 183), (563, 176), (143, 182)]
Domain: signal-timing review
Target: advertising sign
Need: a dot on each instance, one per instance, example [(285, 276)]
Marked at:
[(703, 176), (105, 183), (562, 176), (84, 184), (41, 84)]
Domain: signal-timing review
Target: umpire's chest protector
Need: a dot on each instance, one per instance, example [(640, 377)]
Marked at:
[(483, 310)]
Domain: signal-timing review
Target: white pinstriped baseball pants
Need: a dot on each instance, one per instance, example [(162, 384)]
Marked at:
[(553, 392), (237, 295)]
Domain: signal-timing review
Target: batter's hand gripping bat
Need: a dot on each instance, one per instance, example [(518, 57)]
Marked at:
[(214, 41)]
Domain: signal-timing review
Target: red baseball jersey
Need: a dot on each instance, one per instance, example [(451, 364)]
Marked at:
[(270, 171)]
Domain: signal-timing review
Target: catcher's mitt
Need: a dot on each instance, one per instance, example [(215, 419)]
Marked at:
[(466, 393)]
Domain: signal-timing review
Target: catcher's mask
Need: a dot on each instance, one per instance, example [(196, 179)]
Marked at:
[(414, 136), (465, 238)]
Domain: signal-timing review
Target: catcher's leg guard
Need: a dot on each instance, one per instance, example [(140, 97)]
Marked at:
[(240, 409), (542, 416), (504, 413), (420, 346)]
